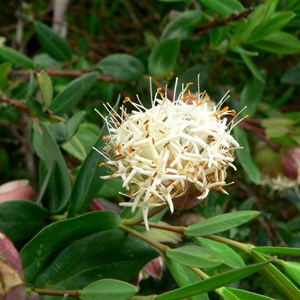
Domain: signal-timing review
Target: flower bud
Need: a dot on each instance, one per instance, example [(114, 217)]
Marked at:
[(291, 163)]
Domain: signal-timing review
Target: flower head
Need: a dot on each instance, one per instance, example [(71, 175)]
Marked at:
[(177, 148)]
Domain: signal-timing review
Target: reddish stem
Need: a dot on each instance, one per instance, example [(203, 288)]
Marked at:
[(98, 204)]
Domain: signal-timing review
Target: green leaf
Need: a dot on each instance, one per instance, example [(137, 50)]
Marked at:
[(122, 66), (88, 182), (211, 283), (227, 294), (277, 279), (279, 42), (106, 254), (278, 250), (292, 268), (223, 251), (31, 90), (184, 276), (220, 223), (163, 58), (251, 95), (278, 20), (46, 88), (52, 43), (39, 252), (260, 17), (73, 93), (64, 131), (244, 155), (59, 188), (81, 144), (292, 76), (277, 127), (108, 289), (182, 25), (223, 8), (252, 67), (194, 256), (172, 0), (111, 188), (245, 295), (21, 219), (4, 71), (73, 124), (17, 58)]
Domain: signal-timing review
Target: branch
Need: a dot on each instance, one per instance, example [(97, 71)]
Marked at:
[(14, 102), (70, 293), (65, 73), (235, 16)]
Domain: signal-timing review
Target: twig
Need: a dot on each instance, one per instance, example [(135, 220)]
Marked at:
[(261, 132), (65, 73), (14, 102), (70, 293), (235, 16)]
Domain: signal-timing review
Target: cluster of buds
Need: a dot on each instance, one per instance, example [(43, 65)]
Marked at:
[(173, 153)]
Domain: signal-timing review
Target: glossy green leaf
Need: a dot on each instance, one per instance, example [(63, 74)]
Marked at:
[(279, 42), (101, 255), (82, 142), (292, 76), (59, 189), (223, 8), (46, 88), (278, 250), (278, 279), (8, 54), (224, 252), (39, 252), (244, 155), (251, 95), (244, 295), (220, 223), (52, 43), (88, 181), (21, 219), (122, 66), (292, 268), (73, 93), (108, 289), (182, 25), (184, 276), (212, 283), (194, 256), (163, 58)]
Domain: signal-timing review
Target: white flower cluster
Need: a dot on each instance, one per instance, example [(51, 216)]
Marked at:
[(282, 183), (161, 152)]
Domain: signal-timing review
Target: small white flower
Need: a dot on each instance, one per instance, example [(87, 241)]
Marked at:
[(162, 152)]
